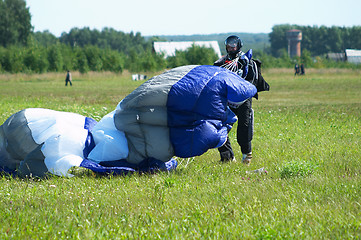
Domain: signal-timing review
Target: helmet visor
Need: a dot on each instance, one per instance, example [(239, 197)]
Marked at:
[(232, 42)]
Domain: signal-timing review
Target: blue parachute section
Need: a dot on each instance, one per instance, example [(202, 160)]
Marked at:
[(122, 167), (197, 108), (89, 141), (248, 56)]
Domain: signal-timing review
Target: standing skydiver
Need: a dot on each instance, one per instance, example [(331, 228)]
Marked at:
[(243, 65)]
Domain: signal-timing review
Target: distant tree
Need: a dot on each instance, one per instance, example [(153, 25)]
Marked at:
[(335, 39), (45, 38), (2, 58), (15, 22), (113, 61), (200, 55), (114, 40), (306, 58), (70, 61), (355, 37), (107, 38), (308, 36), (152, 62), (81, 63), (320, 46), (194, 55), (13, 59), (133, 60), (77, 37), (177, 60), (55, 58), (35, 59), (94, 57), (278, 38)]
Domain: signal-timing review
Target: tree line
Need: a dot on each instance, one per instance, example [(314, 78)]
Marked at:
[(316, 40), (86, 50), (40, 56), (83, 50)]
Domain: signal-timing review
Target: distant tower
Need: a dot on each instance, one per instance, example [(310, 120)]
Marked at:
[(294, 38)]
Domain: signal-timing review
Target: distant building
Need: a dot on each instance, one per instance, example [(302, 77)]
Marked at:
[(294, 38), (353, 56), (169, 48), (350, 55), (338, 57)]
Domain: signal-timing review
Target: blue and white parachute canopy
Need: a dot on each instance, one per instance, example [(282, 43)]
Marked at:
[(182, 112)]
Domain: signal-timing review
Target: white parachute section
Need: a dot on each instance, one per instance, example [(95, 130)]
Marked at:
[(110, 144), (37, 139)]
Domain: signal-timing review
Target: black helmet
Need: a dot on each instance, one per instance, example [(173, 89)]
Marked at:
[(233, 41)]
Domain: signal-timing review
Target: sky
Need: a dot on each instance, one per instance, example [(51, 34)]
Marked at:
[(189, 17)]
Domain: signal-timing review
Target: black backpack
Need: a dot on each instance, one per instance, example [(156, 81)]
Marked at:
[(254, 76)]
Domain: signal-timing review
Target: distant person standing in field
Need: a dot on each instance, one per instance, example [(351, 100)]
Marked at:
[(68, 79), (302, 69), (297, 69)]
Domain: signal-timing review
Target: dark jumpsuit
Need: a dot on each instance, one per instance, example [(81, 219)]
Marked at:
[(244, 114)]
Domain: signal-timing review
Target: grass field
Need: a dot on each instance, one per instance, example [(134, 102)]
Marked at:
[(307, 138)]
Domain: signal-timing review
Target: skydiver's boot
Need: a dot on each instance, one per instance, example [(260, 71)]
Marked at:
[(246, 158)]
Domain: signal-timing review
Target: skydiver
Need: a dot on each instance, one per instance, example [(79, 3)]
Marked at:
[(242, 64)]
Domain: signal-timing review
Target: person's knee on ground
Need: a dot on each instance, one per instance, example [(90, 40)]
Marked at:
[(226, 152)]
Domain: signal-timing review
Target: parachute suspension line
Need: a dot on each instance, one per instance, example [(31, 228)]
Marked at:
[(189, 160), (232, 65), (186, 161)]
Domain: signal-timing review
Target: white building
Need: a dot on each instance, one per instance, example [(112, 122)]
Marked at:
[(353, 55), (169, 48)]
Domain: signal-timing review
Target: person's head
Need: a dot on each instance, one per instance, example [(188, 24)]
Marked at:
[(233, 45)]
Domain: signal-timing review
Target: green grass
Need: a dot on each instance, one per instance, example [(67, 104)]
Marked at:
[(307, 137)]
